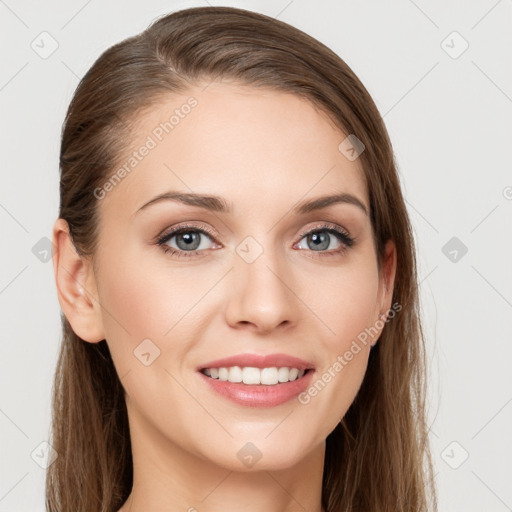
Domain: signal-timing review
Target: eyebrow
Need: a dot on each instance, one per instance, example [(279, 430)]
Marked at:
[(218, 204)]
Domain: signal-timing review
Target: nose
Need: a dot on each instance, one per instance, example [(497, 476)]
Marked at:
[(261, 296)]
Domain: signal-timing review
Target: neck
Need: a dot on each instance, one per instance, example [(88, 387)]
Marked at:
[(168, 478)]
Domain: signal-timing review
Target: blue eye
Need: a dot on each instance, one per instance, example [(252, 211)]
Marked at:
[(188, 241), (321, 239)]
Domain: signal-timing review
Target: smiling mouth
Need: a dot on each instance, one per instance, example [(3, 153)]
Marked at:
[(250, 375)]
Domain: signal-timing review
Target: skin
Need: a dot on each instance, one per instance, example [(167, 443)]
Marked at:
[(263, 151)]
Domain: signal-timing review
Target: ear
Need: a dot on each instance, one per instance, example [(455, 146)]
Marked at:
[(386, 285), (76, 286)]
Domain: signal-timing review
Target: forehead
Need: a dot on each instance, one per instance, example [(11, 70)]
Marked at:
[(239, 142)]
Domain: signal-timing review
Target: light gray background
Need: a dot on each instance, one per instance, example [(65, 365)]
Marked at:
[(449, 120)]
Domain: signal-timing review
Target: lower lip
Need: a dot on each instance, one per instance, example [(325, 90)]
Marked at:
[(259, 395)]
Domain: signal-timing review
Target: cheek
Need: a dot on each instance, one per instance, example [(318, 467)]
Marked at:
[(346, 304), (142, 302), (348, 313)]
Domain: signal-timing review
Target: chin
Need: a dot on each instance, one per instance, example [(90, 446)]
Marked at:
[(262, 454)]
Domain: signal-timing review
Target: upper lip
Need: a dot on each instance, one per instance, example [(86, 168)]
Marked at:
[(259, 361)]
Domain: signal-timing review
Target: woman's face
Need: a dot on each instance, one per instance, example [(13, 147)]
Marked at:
[(243, 279)]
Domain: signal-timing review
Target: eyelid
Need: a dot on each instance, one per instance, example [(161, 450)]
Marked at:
[(304, 232), (184, 227), (325, 225)]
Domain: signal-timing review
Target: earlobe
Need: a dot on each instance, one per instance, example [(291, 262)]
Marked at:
[(76, 287)]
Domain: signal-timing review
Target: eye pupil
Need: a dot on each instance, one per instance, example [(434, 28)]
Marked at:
[(321, 240), (191, 239)]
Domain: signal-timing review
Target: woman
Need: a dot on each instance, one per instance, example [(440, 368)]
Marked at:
[(236, 271)]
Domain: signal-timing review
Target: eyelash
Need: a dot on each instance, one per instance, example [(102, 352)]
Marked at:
[(346, 240)]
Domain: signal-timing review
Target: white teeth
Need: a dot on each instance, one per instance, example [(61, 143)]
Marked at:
[(293, 373), (269, 376), (250, 375), (235, 374), (283, 374)]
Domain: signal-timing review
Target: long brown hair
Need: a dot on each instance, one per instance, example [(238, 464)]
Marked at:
[(377, 458)]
